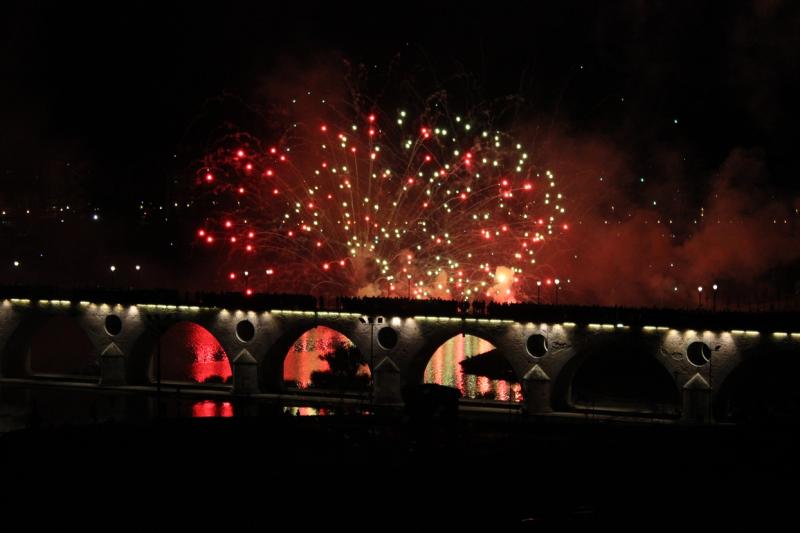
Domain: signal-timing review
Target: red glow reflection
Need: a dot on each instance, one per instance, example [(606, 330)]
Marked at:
[(303, 357), (190, 353), (212, 408), (444, 369)]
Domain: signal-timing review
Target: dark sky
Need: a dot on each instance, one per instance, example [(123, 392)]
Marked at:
[(104, 107)]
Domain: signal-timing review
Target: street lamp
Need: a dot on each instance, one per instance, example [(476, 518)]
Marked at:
[(247, 290), (269, 273), (699, 296), (538, 292), (557, 288), (388, 285), (714, 297), (371, 321)]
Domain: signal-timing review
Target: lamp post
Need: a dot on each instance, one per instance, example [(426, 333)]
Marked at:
[(538, 292), (714, 297), (699, 297), (111, 271), (371, 321), (246, 276), (557, 288), (269, 273)]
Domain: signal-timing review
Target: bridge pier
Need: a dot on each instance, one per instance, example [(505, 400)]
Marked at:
[(112, 366), (387, 383), (697, 401), (536, 387), (245, 373)]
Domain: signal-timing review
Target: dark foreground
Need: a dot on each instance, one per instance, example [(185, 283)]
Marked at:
[(372, 473)]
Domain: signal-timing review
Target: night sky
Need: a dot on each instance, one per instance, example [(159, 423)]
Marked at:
[(671, 127)]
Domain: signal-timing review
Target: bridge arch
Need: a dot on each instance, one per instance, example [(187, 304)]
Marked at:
[(179, 339), (761, 388), (622, 373), (303, 366), (432, 336), (475, 366), (53, 344), (289, 332)]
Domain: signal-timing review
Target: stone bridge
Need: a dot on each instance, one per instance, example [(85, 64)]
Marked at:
[(546, 355)]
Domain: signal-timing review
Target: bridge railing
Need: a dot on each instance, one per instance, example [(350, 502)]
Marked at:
[(405, 307)]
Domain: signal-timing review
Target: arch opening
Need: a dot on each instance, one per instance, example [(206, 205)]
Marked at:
[(761, 390), (621, 379), (475, 367), (189, 354), (60, 347), (324, 359)]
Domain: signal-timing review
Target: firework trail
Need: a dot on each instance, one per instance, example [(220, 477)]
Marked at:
[(422, 204)]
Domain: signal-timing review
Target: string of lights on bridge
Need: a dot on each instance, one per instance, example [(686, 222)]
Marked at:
[(396, 321)]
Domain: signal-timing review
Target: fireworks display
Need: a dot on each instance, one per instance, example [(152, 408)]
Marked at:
[(424, 205)]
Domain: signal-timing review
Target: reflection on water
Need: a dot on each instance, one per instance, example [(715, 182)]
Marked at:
[(307, 411), (191, 353), (444, 369), (212, 408), (296, 410), (303, 357)]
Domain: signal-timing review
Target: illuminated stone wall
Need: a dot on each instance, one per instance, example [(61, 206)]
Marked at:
[(396, 348)]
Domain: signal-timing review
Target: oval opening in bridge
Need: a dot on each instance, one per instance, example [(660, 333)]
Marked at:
[(61, 347), (245, 330), (387, 338), (475, 367), (325, 359), (190, 353), (537, 345), (698, 353), (113, 325)]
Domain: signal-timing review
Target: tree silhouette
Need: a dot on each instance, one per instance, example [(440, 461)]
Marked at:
[(344, 362)]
